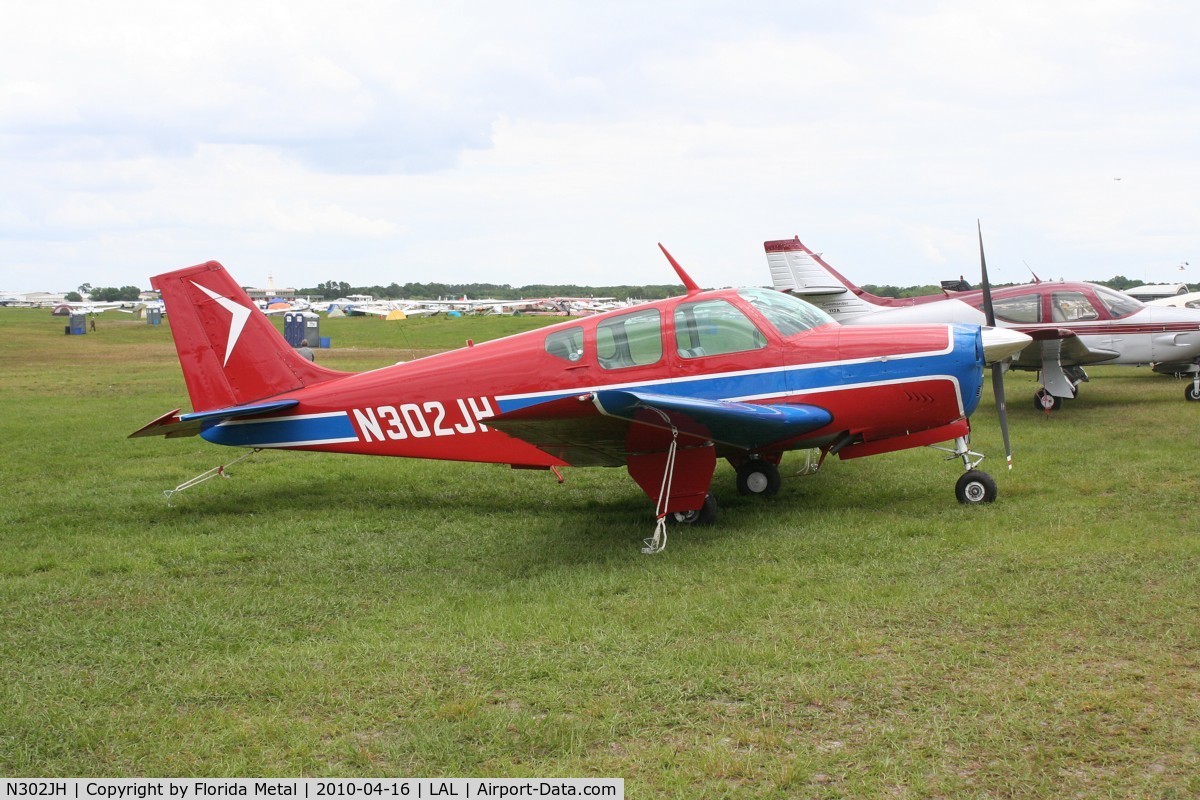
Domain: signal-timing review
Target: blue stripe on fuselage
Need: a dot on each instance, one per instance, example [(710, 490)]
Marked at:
[(960, 363)]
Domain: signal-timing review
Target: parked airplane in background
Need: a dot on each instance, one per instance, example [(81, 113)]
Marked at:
[(1073, 324), (663, 389), (1188, 300), (67, 308)]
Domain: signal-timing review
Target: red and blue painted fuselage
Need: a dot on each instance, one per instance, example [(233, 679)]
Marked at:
[(739, 374)]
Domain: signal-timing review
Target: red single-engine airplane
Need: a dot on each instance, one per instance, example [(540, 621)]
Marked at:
[(664, 389)]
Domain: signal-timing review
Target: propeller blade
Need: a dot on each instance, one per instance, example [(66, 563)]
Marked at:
[(1001, 408), (989, 313)]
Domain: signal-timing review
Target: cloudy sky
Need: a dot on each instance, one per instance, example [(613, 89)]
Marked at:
[(558, 142)]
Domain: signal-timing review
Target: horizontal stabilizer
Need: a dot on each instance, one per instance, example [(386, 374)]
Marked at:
[(174, 425), (819, 291)]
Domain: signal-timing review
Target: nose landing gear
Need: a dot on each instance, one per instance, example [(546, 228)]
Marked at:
[(974, 486)]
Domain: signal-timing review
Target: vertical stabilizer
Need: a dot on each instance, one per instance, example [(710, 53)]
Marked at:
[(800, 271), (229, 351)]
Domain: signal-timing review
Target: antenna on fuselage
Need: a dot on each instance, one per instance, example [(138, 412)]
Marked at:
[(688, 283)]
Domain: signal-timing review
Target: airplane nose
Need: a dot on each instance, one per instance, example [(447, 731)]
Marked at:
[(1000, 343)]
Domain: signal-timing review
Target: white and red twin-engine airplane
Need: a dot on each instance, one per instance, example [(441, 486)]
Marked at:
[(1074, 324), (664, 389)]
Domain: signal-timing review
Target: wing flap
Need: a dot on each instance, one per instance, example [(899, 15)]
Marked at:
[(571, 429), (603, 428), (1060, 345), (747, 426)]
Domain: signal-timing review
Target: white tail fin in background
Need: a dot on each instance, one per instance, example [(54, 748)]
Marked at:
[(800, 271)]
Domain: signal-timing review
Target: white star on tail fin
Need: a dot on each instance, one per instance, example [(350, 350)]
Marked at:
[(238, 314)]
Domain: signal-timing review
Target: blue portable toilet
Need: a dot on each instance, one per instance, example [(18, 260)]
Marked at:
[(293, 327), (301, 325), (312, 328), (78, 326), (153, 316)]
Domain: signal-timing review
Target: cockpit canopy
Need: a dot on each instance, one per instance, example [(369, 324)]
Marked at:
[(712, 324)]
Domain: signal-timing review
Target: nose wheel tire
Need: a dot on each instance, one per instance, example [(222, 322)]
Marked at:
[(1191, 394), (975, 487), (758, 477)]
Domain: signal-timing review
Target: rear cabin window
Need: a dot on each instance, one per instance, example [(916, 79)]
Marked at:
[(566, 344), (712, 328), (1024, 308), (630, 340)]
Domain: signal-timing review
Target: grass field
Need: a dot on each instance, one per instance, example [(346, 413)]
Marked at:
[(858, 635)]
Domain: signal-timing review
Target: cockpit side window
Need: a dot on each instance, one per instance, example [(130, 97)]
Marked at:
[(713, 328), (566, 344), (630, 340), (1069, 306), (1025, 308), (790, 315), (1117, 303)]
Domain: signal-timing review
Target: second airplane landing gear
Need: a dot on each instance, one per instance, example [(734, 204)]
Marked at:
[(1044, 401), (1192, 392)]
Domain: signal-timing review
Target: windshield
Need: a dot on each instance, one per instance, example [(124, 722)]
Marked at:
[(1117, 303), (790, 315)]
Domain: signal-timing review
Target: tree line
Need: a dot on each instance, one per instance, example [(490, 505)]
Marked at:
[(330, 290)]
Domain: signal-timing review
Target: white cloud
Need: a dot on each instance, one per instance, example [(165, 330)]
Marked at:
[(536, 142)]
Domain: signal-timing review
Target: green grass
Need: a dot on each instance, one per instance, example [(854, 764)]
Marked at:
[(859, 635)]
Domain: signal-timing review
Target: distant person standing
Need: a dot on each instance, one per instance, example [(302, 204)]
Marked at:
[(304, 351)]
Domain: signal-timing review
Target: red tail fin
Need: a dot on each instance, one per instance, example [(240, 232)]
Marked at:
[(230, 352)]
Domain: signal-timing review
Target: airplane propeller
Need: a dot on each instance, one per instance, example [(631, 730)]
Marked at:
[(989, 313)]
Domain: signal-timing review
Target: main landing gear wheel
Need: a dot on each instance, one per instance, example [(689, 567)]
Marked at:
[(975, 487), (705, 515), (1044, 401), (758, 477), (1190, 393)]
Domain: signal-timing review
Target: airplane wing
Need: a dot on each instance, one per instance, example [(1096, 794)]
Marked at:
[(1058, 345), (174, 425), (603, 428)]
